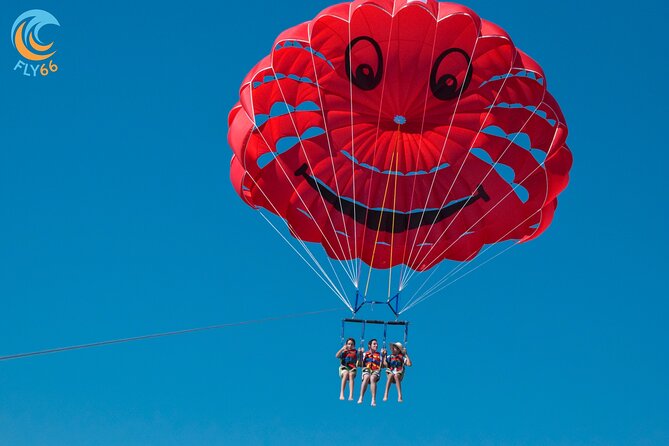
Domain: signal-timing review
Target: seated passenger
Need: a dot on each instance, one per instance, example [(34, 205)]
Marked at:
[(348, 356), (396, 363), (371, 367)]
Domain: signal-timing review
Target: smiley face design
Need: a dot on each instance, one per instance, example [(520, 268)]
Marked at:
[(402, 132)]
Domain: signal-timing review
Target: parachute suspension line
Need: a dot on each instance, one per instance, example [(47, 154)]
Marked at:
[(376, 237), (329, 283), (462, 265), (374, 152), (422, 285), (351, 264), (339, 292), (413, 272), (163, 334), (439, 160), (333, 287), (358, 261), (491, 169), (432, 290), (326, 279), (392, 231), (405, 267), (348, 267), (283, 170), (441, 284), (437, 286)]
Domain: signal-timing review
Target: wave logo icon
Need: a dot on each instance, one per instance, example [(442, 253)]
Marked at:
[(26, 39)]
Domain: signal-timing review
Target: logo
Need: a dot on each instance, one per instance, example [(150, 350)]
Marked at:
[(36, 55)]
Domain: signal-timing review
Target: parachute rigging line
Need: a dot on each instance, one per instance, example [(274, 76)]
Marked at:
[(325, 278), (385, 193), (350, 95), (349, 264), (407, 273), (301, 200), (540, 165), (165, 334), (441, 154), (376, 141), (352, 263), (405, 268), (490, 171), (441, 283)]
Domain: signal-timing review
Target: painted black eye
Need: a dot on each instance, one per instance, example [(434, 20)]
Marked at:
[(450, 74), (364, 63)]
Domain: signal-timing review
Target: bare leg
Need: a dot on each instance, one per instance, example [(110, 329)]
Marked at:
[(390, 380), (351, 385), (365, 381), (374, 380), (344, 377), (398, 381)]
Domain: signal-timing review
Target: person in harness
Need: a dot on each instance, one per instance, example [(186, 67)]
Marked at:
[(371, 367), (395, 365), (348, 357)]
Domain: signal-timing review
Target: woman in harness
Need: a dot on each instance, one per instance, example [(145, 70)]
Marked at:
[(395, 363), (371, 367), (348, 356)]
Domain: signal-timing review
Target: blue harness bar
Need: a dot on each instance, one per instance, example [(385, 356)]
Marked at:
[(393, 303), (364, 323)]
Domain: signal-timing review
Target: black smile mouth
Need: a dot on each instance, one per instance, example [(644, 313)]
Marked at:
[(388, 220)]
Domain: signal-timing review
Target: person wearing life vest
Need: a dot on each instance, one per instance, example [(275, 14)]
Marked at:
[(348, 357), (371, 368), (395, 364)]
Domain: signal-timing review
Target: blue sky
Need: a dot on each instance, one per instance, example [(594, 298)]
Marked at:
[(117, 219)]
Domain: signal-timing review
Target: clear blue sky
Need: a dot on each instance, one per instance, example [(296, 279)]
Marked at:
[(117, 219)]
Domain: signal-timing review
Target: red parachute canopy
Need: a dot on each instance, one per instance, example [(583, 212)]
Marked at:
[(400, 132)]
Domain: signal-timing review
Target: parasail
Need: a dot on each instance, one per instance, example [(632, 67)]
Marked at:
[(399, 134)]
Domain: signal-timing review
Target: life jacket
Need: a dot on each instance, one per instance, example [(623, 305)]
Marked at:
[(372, 360), (396, 362), (349, 358)]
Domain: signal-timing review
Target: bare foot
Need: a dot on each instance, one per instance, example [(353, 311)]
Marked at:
[(341, 397), (400, 400), (360, 401), (385, 398), (373, 403), (350, 398)]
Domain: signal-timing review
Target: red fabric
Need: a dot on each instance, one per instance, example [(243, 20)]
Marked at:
[(493, 97)]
